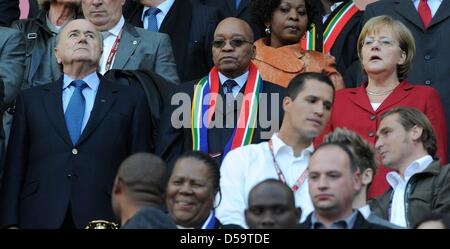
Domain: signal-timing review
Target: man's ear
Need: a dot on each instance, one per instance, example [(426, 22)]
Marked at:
[(357, 183), (118, 186), (416, 132), (58, 58), (367, 176), (286, 102)]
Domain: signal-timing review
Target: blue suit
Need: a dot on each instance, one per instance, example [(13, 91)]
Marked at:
[(45, 173)]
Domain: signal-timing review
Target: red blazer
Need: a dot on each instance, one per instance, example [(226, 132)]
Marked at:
[(352, 109)]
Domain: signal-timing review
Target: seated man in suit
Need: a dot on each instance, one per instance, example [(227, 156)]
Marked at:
[(68, 139), (137, 195), (190, 27), (128, 47), (230, 107), (334, 179), (271, 205)]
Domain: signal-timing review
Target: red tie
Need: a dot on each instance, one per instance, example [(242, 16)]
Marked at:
[(424, 13)]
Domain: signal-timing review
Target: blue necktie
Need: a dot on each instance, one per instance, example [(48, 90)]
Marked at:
[(151, 17), (75, 111), (229, 85), (237, 4)]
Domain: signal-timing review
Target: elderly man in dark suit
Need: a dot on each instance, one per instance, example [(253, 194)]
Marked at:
[(12, 57), (128, 47), (190, 27), (68, 139), (241, 103), (429, 22)]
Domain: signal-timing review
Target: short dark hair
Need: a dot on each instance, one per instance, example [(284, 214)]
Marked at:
[(210, 162), (353, 161), (143, 174), (262, 12), (410, 117), (297, 83), (271, 181)]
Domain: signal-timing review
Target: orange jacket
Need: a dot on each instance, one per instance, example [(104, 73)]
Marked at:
[(280, 65)]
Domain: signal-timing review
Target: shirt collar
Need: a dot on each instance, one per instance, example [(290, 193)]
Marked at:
[(116, 29), (164, 7), (417, 166), (346, 223), (239, 80), (278, 144), (91, 80), (365, 211)]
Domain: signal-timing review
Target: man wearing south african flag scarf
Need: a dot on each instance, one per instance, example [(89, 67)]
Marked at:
[(228, 108)]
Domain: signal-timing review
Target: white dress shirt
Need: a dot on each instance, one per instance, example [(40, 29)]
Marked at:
[(433, 4), (109, 37), (88, 92), (164, 7), (246, 166), (399, 184)]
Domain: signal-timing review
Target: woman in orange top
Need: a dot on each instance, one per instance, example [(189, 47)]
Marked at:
[(279, 56)]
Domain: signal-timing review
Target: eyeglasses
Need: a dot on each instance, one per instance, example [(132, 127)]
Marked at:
[(234, 43), (384, 42)]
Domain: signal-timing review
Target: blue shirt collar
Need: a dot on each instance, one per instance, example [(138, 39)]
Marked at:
[(92, 80)]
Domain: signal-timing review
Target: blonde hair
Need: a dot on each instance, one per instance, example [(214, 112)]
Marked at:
[(403, 35)]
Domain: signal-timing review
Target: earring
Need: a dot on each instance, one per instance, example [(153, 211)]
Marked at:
[(267, 30)]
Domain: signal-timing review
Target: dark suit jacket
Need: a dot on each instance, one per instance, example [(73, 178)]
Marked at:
[(45, 172), (191, 29), (365, 121), (227, 9), (360, 223), (145, 50), (174, 141), (9, 11), (430, 63), (344, 48)]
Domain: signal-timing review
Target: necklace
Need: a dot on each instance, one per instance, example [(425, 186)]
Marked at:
[(380, 93)]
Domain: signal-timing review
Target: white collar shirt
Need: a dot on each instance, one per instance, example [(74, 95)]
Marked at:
[(365, 211), (399, 184), (109, 37), (246, 166), (240, 80)]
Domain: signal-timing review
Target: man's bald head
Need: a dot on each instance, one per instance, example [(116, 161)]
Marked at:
[(238, 24), (271, 204), (233, 47)]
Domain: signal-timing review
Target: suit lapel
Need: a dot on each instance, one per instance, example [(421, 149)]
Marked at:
[(231, 6), (178, 18), (442, 13), (128, 43), (242, 6), (409, 12), (55, 112), (401, 92), (359, 97), (104, 100)]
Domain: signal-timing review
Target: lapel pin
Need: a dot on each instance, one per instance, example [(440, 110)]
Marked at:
[(134, 42), (103, 100)]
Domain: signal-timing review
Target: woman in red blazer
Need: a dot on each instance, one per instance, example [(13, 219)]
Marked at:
[(385, 48)]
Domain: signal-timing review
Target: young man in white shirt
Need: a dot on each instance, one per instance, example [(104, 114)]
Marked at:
[(285, 157), (419, 185)]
